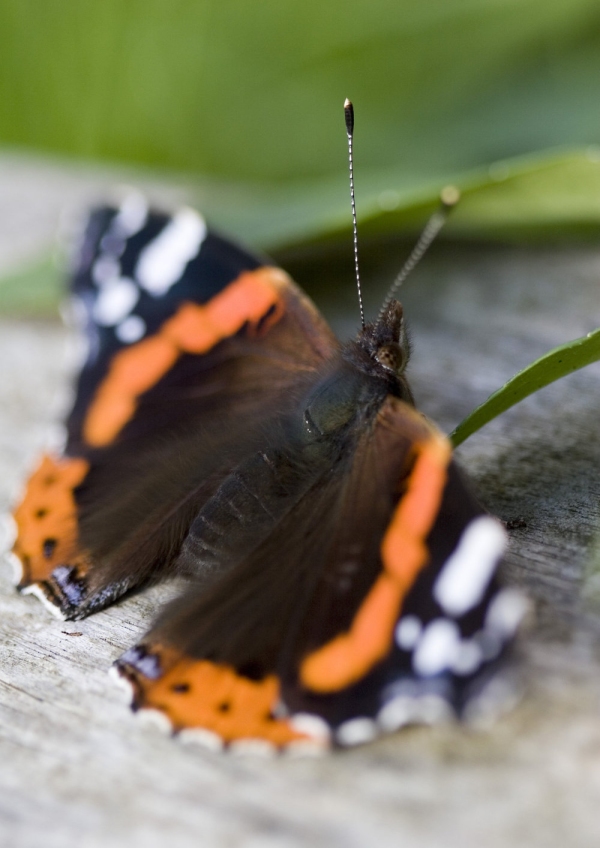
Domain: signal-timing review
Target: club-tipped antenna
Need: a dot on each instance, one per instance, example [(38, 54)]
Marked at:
[(449, 197), (349, 116)]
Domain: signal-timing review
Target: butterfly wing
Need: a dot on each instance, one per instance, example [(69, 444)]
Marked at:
[(194, 345), (374, 602)]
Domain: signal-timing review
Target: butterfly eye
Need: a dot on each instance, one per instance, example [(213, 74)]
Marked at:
[(392, 357)]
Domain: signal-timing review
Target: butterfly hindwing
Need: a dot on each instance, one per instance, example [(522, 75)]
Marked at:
[(372, 604), (419, 641)]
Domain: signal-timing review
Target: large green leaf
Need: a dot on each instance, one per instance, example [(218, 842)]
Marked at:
[(530, 196), (251, 94), (534, 196)]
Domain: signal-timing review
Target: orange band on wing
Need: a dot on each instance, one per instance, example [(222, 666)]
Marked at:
[(348, 657), (201, 694), (47, 519), (253, 298)]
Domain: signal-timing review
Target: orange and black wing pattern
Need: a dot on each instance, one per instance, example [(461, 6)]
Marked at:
[(193, 346), (340, 579)]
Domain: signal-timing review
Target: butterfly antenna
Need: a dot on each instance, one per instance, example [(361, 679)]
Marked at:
[(349, 116), (449, 197)]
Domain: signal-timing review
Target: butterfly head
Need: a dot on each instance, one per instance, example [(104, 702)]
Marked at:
[(372, 367), (382, 350), (389, 341), (386, 343)]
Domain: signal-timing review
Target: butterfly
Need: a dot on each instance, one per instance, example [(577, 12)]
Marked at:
[(340, 579)]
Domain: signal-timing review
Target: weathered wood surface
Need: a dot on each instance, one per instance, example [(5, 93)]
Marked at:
[(78, 769)]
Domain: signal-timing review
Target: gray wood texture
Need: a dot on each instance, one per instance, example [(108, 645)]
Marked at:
[(78, 769)]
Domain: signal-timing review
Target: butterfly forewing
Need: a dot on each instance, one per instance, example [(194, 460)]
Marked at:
[(194, 348)]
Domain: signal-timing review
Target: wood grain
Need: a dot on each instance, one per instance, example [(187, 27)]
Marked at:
[(78, 769)]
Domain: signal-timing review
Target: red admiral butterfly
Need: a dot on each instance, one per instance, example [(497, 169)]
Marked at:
[(340, 575)]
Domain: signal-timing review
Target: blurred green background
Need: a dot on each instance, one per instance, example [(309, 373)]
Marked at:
[(242, 101)]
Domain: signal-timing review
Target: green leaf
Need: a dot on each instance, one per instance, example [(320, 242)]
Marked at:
[(249, 97), (552, 366), (534, 197)]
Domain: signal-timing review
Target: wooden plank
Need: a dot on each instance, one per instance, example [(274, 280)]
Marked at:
[(77, 768)]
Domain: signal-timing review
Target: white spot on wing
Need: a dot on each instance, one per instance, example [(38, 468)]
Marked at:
[(408, 631), (132, 329), (105, 269), (506, 612), (490, 643), (132, 214), (150, 717), (356, 731), (432, 709), (115, 301), (200, 736), (313, 725), (467, 572), (396, 713), (428, 708), (438, 647), (162, 262), (469, 657), (121, 681)]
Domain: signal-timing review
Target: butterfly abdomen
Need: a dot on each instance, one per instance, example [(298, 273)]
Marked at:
[(246, 507)]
